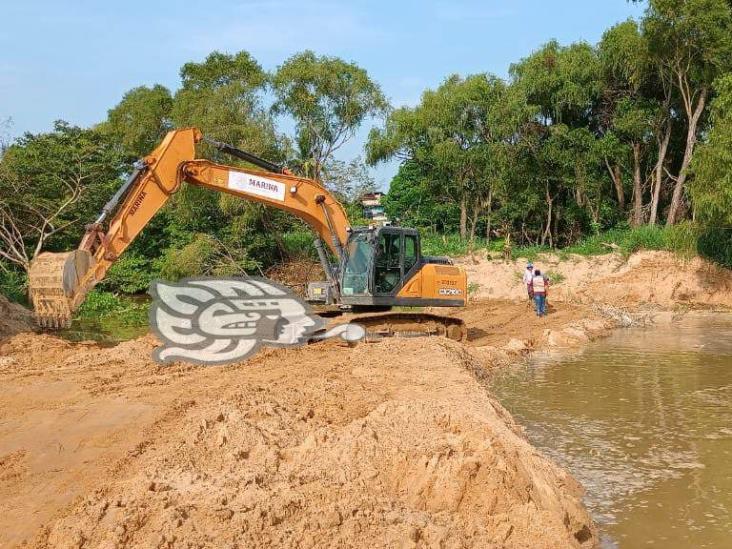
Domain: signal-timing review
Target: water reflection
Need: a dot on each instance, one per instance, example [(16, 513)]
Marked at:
[(644, 420), (106, 333)]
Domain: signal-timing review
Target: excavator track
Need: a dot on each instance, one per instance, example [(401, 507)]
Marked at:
[(53, 281), (405, 324)]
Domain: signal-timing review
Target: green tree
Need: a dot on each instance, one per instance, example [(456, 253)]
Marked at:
[(412, 200), (691, 43), (222, 96), (711, 187), (51, 184), (459, 135), (140, 120), (563, 82), (564, 85), (629, 118), (329, 99)]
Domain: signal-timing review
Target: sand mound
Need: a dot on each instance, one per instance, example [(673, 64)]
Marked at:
[(391, 444), (14, 318), (664, 279), (660, 278)]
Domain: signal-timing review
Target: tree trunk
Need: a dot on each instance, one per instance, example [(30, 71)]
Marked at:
[(489, 206), (548, 230), (688, 152), (463, 217), (658, 170), (474, 222), (617, 177), (637, 218)]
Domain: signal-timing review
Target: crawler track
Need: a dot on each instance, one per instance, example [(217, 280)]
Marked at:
[(404, 324)]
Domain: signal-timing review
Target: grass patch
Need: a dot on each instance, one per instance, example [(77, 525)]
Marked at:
[(529, 252), (556, 277), (679, 238), (685, 239), (448, 244), (105, 307)]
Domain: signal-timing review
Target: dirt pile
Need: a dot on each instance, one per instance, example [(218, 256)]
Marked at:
[(296, 274), (395, 443), (14, 318), (659, 278)]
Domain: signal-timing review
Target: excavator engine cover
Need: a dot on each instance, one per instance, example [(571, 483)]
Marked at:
[(54, 282)]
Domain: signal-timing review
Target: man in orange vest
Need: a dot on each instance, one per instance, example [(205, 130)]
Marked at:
[(539, 287)]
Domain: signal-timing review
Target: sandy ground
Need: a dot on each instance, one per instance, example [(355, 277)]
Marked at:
[(397, 443), (390, 444)]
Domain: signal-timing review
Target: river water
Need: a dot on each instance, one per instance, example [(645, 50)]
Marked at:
[(643, 419)]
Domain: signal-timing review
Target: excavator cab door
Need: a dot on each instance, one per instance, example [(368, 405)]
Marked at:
[(357, 265), (397, 256)]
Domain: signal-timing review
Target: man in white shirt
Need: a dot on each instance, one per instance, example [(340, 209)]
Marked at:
[(528, 276)]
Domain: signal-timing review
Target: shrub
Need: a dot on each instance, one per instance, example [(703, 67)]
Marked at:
[(299, 243), (14, 284), (100, 305), (130, 274), (448, 244), (716, 245)]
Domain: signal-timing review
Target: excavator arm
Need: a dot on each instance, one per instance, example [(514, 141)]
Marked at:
[(59, 282)]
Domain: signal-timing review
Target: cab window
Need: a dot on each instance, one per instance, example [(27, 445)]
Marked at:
[(355, 276), (388, 270), (410, 252)]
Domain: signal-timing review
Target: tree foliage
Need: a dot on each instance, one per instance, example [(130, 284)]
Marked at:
[(50, 184), (328, 98), (587, 136), (711, 187), (140, 120)]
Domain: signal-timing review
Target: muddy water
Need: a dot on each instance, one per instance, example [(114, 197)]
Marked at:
[(644, 420)]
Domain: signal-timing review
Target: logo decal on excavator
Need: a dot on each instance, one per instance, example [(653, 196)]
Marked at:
[(221, 320), (258, 185), (138, 201)]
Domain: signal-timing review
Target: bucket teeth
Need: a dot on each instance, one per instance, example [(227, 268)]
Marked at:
[(54, 282)]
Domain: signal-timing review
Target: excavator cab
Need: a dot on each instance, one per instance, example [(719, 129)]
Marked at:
[(377, 262), (382, 267)]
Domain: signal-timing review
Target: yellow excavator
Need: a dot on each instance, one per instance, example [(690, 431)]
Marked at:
[(375, 268)]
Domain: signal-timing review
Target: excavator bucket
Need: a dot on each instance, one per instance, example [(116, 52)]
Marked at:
[(54, 282)]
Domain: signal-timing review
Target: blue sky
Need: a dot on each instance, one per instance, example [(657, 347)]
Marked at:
[(74, 59)]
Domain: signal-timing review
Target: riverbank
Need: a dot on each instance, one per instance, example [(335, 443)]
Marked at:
[(395, 443)]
